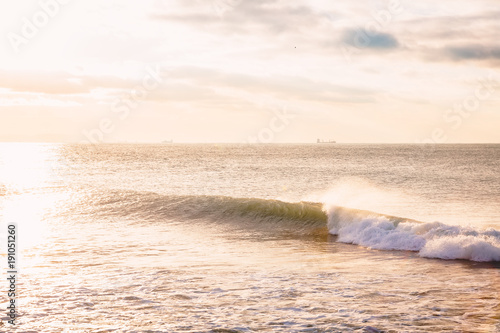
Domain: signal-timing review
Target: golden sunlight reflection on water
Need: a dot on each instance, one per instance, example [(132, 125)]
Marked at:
[(25, 166), (26, 173)]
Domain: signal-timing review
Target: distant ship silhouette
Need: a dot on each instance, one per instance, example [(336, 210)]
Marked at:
[(324, 141)]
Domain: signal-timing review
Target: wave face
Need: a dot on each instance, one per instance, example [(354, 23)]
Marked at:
[(430, 240), (272, 214)]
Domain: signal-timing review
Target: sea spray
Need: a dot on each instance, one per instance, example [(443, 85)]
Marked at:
[(430, 240)]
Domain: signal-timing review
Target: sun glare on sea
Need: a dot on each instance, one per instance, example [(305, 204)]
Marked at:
[(24, 166), (26, 171)]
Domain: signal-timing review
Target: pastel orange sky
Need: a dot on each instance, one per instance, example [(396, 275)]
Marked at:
[(250, 71)]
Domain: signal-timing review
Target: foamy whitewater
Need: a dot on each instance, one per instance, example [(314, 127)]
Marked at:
[(243, 238), (431, 240)]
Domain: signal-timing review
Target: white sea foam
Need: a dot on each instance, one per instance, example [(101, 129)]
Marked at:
[(431, 240)]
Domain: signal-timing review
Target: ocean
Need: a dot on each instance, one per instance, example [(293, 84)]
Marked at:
[(251, 237)]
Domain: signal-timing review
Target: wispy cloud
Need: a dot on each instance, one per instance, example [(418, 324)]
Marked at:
[(248, 17), (361, 38), (472, 52)]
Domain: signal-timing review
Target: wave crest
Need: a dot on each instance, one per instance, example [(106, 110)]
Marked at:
[(430, 240)]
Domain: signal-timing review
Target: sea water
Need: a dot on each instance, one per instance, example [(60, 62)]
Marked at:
[(244, 238)]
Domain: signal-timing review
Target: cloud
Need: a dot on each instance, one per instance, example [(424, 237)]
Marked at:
[(247, 17), (473, 52), (279, 86), (60, 83), (363, 39), (455, 36), (41, 82)]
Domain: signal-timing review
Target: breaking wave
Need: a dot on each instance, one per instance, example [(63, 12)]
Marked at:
[(430, 240), (364, 228)]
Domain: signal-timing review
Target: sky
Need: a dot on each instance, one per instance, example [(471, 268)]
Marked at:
[(263, 71)]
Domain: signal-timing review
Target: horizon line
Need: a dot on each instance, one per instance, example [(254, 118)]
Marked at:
[(251, 143)]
